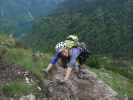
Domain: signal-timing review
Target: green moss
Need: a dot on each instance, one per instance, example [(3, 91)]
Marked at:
[(16, 88)]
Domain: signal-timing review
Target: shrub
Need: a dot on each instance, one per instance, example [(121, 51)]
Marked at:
[(93, 61)]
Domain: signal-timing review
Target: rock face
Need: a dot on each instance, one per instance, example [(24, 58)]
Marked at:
[(28, 97), (84, 87)]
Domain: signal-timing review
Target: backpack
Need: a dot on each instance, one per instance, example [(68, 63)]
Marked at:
[(84, 53)]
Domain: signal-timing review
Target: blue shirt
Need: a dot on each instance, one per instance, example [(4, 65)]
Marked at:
[(74, 53)]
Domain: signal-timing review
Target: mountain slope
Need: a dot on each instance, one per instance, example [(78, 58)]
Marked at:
[(21, 13), (103, 27), (15, 60)]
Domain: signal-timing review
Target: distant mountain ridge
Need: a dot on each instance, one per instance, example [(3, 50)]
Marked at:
[(13, 9), (16, 16)]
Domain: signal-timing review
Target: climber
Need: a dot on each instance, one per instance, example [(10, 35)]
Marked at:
[(69, 52)]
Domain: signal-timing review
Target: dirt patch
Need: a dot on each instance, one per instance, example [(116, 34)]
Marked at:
[(10, 72), (14, 73)]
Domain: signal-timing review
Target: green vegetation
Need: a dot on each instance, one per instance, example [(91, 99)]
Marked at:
[(12, 53), (33, 62), (118, 65), (16, 16), (119, 83), (3, 98), (103, 27), (17, 88), (115, 72)]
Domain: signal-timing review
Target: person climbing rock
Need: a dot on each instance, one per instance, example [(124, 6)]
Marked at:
[(69, 52)]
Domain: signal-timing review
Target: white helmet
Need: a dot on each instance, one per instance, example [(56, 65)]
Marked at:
[(60, 45)]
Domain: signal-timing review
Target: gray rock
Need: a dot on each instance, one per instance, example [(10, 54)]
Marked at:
[(87, 87), (28, 97)]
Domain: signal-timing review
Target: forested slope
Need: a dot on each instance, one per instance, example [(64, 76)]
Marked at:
[(103, 25)]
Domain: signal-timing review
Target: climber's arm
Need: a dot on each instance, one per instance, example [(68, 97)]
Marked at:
[(53, 61)]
